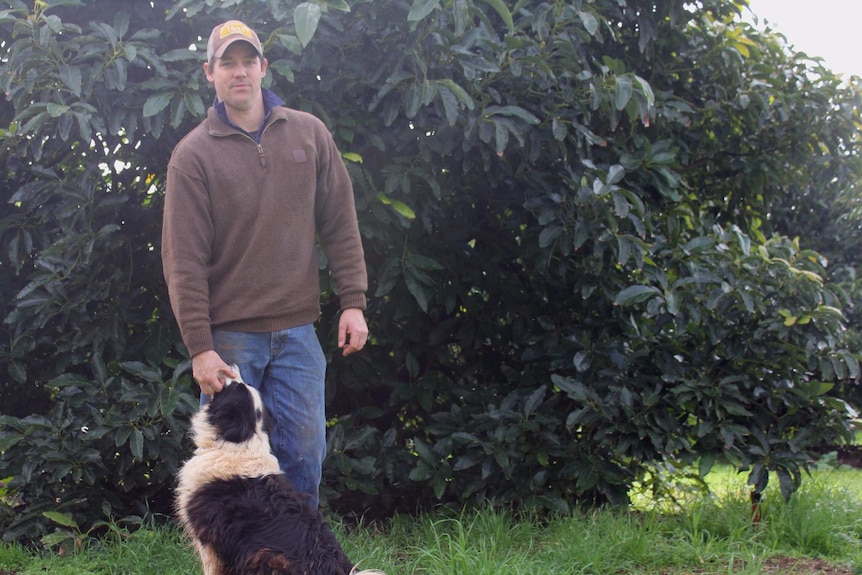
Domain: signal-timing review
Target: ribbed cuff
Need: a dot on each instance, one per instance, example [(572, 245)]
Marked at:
[(354, 300), (198, 341)]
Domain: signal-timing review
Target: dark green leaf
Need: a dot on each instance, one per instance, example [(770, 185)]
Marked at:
[(534, 401), (512, 111), (421, 9), (623, 92), (636, 294), (72, 78), (136, 444), (156, 103), (705, 465), (590, 22), (306, 18), (503, 11)]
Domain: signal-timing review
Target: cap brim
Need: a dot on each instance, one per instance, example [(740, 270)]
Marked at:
[(220, 52)]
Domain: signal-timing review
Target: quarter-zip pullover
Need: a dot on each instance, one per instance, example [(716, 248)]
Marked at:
[(243, 213)]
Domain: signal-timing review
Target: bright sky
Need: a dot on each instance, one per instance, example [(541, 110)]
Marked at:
[(826, 28)]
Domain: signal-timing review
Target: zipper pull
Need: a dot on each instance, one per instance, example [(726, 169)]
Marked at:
[(261, 156)]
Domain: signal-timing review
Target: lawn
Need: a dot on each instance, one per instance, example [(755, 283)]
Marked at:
[(818, 532)]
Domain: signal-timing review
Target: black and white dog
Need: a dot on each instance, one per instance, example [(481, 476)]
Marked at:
[(240, 511)]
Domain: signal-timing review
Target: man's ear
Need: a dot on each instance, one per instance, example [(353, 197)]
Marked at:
[(263, 66), (207, 72)]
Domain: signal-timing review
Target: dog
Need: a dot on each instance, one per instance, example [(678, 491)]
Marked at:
[(242, 514)]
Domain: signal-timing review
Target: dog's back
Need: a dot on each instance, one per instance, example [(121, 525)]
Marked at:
[(241, 512), (261, 525)]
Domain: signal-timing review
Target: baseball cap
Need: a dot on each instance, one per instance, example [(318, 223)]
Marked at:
[(226, 34)]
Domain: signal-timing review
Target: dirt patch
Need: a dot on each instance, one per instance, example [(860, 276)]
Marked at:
[(777, 566), (803, 566)]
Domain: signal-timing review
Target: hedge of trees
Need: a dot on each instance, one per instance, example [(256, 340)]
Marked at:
[(606, 241)]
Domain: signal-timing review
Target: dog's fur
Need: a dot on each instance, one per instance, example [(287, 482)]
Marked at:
[(240, 511)]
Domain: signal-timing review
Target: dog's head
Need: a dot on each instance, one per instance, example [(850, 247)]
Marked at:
[(235, 415)]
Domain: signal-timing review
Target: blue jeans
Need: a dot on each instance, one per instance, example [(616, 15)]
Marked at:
[(289, 369)]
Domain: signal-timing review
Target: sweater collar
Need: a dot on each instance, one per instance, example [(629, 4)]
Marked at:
[(270, 101)]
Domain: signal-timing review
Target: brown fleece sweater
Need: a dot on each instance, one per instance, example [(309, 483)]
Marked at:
[(241, 225)]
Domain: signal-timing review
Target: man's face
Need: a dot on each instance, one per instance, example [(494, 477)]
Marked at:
[(237, 75)]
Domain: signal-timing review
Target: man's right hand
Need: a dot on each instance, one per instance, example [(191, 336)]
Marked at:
[(211, 372)]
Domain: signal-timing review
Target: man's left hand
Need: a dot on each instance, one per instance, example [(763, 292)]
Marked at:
[(352, 331)]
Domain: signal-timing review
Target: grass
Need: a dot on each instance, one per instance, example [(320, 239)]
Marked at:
[(818, 531), (161, 551)]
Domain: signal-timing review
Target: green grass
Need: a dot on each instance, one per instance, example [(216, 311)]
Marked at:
[(704, 535), (160, 551)]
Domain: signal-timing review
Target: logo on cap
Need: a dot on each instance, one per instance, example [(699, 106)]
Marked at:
[(235, 28)]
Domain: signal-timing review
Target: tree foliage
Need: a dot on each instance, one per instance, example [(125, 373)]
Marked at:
[(598, 234)]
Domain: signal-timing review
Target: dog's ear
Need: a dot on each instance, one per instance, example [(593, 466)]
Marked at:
[(232, 413)]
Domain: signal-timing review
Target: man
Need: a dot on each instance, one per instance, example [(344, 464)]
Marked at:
[(249, 192)]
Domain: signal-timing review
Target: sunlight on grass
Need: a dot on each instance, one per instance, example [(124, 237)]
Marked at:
[(482, 544)]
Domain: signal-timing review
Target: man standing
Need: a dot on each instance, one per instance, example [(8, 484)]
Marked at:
[(249, 193)]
